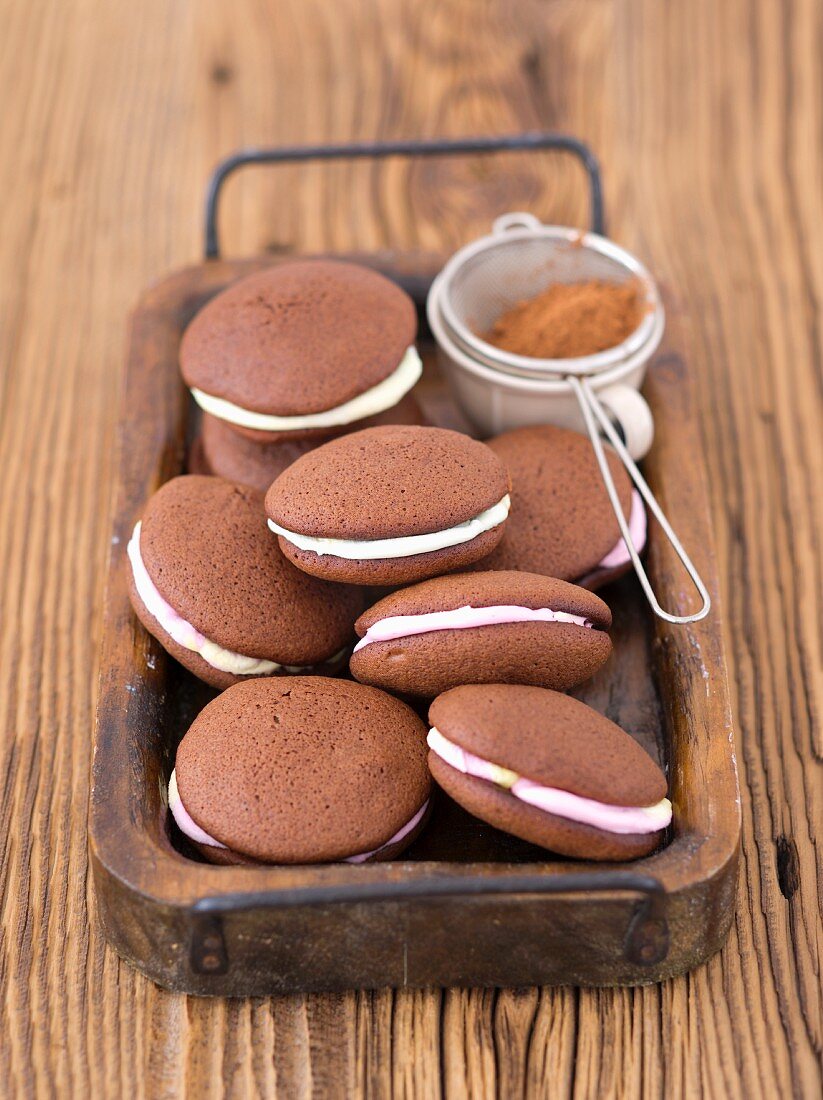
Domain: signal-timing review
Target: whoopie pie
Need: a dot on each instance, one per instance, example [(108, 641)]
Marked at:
[(309, 770), (548, 769), (561, 522), (208, 580), (225, 452), (302, 350), (390, 505), (482, 628)]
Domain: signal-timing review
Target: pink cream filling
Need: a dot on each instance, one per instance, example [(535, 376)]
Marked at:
[(619, 555), (586, 811), (189, 827), (173, 623), (187, 635), (185, 822), (462, 618)]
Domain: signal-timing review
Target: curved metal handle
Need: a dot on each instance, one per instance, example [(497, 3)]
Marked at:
[(592, 412), (528, 142), (474, 885), (646, 940)]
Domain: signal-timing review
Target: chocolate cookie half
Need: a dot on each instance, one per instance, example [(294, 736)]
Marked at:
[(390, 505), (302, 350), (223, 451), (547, 768), (482, 628), (306, 771), (209, 582), (562, 523)]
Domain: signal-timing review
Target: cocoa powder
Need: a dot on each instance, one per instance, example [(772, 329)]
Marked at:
[(567, 320)]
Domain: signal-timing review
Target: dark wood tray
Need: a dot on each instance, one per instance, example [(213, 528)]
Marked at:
[(467, 905)]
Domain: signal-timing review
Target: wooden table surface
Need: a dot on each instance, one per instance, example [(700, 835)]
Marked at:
[(708, 119)]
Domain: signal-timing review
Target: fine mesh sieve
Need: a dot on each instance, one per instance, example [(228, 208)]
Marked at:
[(516, 262)]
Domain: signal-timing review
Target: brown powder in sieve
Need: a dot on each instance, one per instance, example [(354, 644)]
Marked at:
[(567, 320)]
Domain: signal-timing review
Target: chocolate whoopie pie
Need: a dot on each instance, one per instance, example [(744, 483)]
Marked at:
[(482, 628), (309, 770), (561, 522), (390, 505), (548, 769), (302, 350), (223, 451), (210, 583)]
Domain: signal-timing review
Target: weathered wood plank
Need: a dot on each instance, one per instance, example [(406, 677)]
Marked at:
[(707, 117)]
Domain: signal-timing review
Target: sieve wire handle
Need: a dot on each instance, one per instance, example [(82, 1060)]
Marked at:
[(593, 412), (531, 141)]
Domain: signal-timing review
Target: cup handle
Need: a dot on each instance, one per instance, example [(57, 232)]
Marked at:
[(632, 415)]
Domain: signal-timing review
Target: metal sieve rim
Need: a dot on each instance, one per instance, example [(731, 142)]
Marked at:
[(514, 227), (530, 381)]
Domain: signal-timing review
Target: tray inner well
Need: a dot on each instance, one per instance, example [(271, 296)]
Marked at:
[(625, 690)]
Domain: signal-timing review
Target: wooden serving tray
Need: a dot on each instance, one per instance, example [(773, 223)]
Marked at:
[(467, 905)]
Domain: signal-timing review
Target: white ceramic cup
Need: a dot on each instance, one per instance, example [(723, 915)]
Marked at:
[(496, 400)]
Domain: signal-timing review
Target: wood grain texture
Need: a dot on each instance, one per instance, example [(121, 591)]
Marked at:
[(707, 117), (654, 686)]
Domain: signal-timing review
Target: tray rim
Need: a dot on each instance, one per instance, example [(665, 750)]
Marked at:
[(130, 855)]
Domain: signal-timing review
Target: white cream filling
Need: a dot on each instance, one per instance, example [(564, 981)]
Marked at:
[(188, 636), (462, 618), (385, 395), (406, 545)]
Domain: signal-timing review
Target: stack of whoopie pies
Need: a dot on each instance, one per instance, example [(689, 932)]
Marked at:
[(316, 481), (292, 356)]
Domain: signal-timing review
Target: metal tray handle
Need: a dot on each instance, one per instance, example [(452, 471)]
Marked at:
[(646, 941), (533, 141)]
